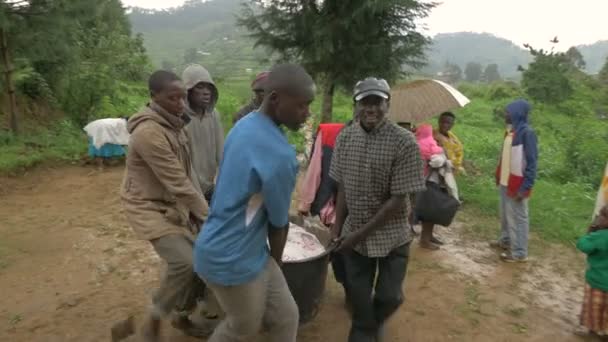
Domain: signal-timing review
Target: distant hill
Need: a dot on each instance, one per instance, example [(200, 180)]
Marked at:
[(206, 32), (595, 55), (201, 32), (464, 47)]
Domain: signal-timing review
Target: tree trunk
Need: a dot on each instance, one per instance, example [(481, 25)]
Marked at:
[(327, 105), (10, 87)]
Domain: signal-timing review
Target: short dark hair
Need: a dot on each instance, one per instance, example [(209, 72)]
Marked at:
[(287, 77), (159, 80), (448, 114)]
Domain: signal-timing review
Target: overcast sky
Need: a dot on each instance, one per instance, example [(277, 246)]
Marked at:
[(522, 21)]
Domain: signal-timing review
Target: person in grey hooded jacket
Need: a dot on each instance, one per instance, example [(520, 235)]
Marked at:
[(205, 128)]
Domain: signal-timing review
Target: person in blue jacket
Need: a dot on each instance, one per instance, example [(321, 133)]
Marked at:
[(515, 177)]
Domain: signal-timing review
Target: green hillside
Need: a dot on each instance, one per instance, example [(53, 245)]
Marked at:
[(484, 48), (206, 32), (199, 32), (595, 55)]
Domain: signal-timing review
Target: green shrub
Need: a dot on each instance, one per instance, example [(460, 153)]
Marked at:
[(63, 141), (33, 85), (583, 152), (504, 90), (6, 137), (546, 79), (471, 90)]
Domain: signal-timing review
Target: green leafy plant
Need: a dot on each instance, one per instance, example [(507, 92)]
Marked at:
[(546, 78)]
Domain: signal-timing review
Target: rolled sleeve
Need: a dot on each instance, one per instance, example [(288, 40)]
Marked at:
[(407, 173)]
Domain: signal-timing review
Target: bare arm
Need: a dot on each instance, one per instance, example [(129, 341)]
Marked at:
[(277, 237), (341, 212), (219, 136)]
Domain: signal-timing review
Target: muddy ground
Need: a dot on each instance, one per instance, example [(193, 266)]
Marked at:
[(70, 268)]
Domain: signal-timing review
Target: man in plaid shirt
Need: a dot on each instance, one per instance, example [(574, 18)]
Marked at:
[(377, 165)]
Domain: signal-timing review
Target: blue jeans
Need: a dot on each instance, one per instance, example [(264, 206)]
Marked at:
[(515, 224)]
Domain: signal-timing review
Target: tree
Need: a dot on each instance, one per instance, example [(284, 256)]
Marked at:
[(26, 31), (105, 52), (8, 79), (603, 75), (546, 79), (14, 16), (74, 51), (576, 58), (491, 74), (452, 73), (473, 72), (340, 42)]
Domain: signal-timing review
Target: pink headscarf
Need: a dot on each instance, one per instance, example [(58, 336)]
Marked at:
[(426, 142)]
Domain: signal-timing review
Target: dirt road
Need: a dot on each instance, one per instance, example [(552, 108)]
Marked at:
[(70, 267)]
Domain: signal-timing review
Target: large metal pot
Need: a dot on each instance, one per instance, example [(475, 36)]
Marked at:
[(306, 278)]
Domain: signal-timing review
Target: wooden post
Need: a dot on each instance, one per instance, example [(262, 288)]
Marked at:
[(10, 87), (327, 103)]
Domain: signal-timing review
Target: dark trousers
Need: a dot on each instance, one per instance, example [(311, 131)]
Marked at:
[(371, 312), (180, 287), (337, 264)]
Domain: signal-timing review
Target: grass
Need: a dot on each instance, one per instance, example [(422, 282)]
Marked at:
[(570, 162), (572, 141), (519, 328), (62, 142), (15, 319), (515, 312)]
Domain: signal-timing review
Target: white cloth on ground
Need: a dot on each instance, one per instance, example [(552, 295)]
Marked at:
[(108, 131), (301, 244)]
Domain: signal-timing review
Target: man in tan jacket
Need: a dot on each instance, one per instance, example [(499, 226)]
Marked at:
[(162, 203)]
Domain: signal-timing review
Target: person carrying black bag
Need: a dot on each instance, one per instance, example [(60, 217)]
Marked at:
[(439, 203)]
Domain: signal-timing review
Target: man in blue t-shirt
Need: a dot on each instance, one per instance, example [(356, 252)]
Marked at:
[(239, 251)]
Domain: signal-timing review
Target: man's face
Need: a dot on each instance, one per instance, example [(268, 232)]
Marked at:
[(258, 97), (445, 124), (171, 98), (293, 107), (371, 111), (201, 95)]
